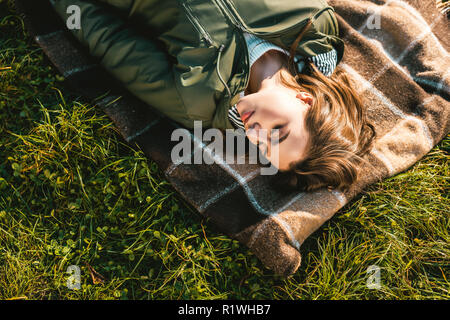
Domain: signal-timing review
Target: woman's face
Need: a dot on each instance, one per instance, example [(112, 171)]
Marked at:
[(274, 120)]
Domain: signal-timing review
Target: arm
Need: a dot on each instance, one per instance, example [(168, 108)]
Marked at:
[(137, 62)]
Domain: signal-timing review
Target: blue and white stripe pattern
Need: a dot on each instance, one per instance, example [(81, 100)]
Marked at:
[(325, 62)]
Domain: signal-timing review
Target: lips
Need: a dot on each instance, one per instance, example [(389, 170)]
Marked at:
[(246, 115)]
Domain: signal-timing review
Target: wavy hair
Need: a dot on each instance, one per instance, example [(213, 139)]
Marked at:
[(340, 133)]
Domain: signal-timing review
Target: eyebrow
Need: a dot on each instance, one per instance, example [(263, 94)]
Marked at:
[(280, 140)]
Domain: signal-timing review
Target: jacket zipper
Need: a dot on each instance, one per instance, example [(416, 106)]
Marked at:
[(238, 25), (230, 16), (205, 35), (231, 12), (218, 70)]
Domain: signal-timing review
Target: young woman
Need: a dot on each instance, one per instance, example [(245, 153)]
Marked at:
[(260, 65)]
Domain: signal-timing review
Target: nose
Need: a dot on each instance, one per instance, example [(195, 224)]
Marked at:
[(255, 126), (253, 132), (258, 136)]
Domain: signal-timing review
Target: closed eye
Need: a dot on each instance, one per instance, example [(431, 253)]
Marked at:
[(280, 138)]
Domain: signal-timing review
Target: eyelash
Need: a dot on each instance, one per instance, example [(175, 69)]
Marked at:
[(279, 127)]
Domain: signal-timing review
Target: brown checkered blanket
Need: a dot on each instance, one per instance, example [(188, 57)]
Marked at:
[(397, 54)]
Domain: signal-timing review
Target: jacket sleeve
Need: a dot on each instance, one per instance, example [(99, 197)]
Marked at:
[(139, 63), (322, 44)]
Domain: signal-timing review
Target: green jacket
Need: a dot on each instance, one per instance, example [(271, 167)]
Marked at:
[(188, 59)]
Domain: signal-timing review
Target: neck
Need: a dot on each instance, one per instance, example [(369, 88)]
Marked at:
[(264, 72)]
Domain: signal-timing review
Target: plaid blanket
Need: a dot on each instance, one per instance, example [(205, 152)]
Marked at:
[(397, 55)]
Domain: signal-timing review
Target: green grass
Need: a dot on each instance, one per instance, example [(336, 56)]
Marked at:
[(73, 193)]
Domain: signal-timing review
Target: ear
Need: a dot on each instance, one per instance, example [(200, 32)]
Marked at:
[(305, 97)]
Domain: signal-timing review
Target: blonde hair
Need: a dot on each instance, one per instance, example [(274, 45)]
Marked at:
[(340, 133)]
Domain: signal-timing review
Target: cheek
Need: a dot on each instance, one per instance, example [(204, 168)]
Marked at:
[(284, 107), (291, 150), (292, 108), (273, 111)]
